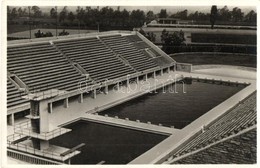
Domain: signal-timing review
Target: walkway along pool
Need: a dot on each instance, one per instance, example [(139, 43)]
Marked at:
[(170, 106)]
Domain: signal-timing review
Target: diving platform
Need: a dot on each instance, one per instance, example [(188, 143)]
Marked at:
[(53, 152), (26, 129)]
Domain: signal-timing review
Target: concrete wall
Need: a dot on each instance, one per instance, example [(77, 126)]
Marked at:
[(183, 67)]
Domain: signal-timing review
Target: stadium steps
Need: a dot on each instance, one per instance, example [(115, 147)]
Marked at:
[(14, 95), (95, 57), (42, 67), (121, 46)]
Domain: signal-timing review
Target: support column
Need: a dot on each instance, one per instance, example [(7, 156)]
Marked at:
[(80, 98), (161, 72), (106, 89), (50, 107), (137, 79), (117, 86), (145, 77), (127, 82), (168, 70), (10, 119), (66, 102), (94, 94), (154, 74)]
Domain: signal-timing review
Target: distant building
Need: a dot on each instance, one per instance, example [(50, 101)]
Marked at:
[(168, 22)]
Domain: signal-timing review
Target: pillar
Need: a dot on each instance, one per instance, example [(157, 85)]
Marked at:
[(50, 107), (106, 89), (44, 144), (127, 82), (137, 79), (80, 98), (154, 74), (168, 69), (94, 94), (10, 119), (117, 86), (66, 102), (145, 77), (161, 72)]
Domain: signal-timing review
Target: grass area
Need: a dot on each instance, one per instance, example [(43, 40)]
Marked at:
[(223, 38), (214, 58)]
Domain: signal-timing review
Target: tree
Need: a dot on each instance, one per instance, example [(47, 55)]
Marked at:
[(20, 12), (171, 40), (71, 17), (137, 18), (213, 15), (149, 16), (63, 14), (9, 11), (151, 36), (36, 11), (224, 14), (237, 14), (163, 13), (181, 14), (14, 13), (53, 13), (80, 14), (251, 17), (125, 17), (141, 31)]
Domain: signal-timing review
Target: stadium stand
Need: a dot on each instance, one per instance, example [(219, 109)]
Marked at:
[(235, 120), (41, 67), (14, 96), (133, 38), (97, 59), (240, 149), (139, 44), (136, 58)]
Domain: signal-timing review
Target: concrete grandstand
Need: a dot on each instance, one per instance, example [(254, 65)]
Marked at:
[(72, 78)]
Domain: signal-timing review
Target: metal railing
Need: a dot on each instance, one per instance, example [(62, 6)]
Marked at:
[(43, 153), (30, 158), (25, 128)]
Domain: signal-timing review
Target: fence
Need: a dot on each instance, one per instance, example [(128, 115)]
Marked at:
[(30, 158)]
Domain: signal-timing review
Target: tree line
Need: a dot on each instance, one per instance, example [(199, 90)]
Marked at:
[(109, 17)]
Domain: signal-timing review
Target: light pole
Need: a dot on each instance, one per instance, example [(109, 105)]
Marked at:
[(30, 22), (56, 8)]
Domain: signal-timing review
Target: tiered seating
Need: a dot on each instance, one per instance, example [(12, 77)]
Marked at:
[(135, 57), (155, 52), (95, 57), (133, 38), (240, 149), (235, 120), (14, 96), (141, 45), (42, 67)]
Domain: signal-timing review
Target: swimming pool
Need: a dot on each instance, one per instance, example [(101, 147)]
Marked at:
[(170, 106), (111, 144)]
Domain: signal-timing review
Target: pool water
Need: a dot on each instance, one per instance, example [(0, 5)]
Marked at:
[(112, 144), (170, 106)]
